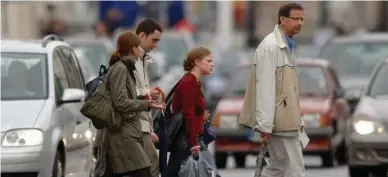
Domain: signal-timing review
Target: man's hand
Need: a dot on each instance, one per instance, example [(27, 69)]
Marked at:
[(154, 138), (301, 128), (264, 135), (154, 93)]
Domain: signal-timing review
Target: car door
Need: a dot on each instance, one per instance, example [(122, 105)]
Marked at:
[(63, 113), (78, 153)]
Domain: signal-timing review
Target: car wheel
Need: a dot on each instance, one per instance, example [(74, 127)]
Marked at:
[(240, 158), (59, 165), (328, 159), (356, 171), (221, 158), (342, 154)]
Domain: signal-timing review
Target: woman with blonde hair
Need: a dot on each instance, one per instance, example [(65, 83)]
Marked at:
[(189, 100)]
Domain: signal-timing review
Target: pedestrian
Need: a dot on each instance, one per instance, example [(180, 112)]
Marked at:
[(189, 99), (124, 148), (149, 32), (275, 96)]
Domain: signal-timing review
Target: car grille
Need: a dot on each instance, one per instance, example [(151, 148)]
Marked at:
[(19, 174)]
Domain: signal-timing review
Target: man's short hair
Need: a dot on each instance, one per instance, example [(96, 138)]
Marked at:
[(285, 9), (148, 26)]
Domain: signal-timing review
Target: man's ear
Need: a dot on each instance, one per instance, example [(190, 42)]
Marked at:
[(282, 18), (142, 35)]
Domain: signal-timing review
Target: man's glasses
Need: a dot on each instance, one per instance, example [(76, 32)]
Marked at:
[(297, 18)]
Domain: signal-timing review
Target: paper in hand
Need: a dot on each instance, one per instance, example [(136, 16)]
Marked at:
[(304, 139)]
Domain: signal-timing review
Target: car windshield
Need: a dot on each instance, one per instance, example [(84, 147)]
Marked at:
[(97, 54), (355, 59), (174, 49), (380, 82), (23, 76), (312, 81)]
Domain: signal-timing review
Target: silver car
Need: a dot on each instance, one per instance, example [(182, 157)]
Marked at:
[(367, 137), (43, 132)]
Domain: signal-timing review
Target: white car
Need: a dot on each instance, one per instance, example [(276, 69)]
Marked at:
[(43, 133)]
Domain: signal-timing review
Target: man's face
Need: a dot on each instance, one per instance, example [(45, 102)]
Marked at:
[(294, 22), (151, 41)]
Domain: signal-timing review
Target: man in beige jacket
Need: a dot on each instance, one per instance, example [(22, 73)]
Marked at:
[(271, 104), (149, 31)]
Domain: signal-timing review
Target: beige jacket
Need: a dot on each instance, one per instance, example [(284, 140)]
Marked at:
[(143, 88), (271, 102)]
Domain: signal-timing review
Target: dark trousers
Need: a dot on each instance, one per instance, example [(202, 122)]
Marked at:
[(144, 172)]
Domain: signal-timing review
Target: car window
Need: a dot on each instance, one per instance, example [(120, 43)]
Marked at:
[(60, 77), (355, 59), (70, 68), (23, 76), (380, 82), (78, 67), (312, 81)]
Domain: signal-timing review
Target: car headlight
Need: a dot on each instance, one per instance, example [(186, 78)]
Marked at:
[(23, 137), (312, 120), (228, 121), (365, 127)]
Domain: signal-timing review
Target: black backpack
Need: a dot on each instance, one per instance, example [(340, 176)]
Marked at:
[(91, 87)]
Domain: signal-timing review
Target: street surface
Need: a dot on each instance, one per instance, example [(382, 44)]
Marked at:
[(313, 169)]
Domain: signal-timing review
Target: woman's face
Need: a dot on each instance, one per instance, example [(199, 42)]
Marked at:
[(206, 65), (136, 51)]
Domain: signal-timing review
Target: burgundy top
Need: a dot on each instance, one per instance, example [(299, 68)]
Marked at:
[(188, 97)]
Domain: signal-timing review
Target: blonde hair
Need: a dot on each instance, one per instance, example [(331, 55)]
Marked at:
[(195, 54)]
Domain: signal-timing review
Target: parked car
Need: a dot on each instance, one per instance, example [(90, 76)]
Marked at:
[(324, 110), (322, 105), (307, 51), (354, 57), (367, 137), (43, 132), (96, 50)]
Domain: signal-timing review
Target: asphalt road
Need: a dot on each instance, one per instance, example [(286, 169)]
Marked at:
[(313, 169)]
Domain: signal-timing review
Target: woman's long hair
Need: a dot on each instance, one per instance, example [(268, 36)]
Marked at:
[(125, 44)]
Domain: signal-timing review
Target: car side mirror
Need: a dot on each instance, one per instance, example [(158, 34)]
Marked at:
[(72, 95), (339, 93)]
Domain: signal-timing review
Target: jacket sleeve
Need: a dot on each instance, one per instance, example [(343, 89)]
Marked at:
[(120, 98), (188, 107), (265, 89)]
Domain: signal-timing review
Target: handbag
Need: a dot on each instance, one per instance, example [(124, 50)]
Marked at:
[(99, 107)]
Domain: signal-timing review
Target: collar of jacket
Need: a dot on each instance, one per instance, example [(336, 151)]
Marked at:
[(129, 62), (280, 37), (144, 55)]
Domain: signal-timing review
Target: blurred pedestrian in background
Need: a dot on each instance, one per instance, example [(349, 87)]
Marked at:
[(276, 113), (189, 99), (149, 32), (52, 23)]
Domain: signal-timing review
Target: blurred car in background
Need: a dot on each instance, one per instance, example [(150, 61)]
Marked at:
[(225, 64), (324, 110), (306, 51), (367, 138), (322, 105), (43, 132), (96, 50), (354, 57), (88, 72)]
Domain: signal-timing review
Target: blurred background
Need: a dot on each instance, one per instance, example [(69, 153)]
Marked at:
[(341, 50)]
